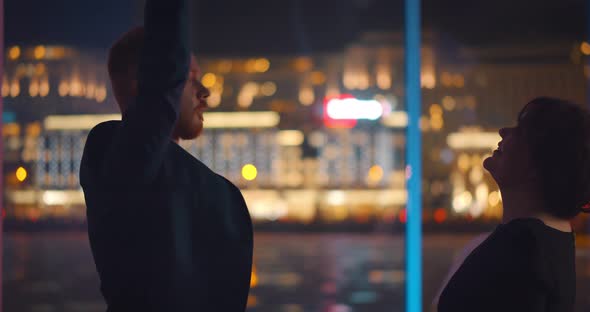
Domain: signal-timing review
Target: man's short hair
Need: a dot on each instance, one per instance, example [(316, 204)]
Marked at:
[(123, 63)]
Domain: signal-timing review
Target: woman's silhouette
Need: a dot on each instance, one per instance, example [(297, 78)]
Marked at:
[(542, 166)]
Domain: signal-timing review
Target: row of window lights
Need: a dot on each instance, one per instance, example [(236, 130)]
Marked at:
[(42, 89), (39, 52), (257, 65), (375, 174), (361, 81), (350, 80), (249, 173)]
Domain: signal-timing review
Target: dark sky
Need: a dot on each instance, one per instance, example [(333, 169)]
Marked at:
[(79, 22), (297, 26)]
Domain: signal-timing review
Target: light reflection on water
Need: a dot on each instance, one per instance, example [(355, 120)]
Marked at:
[(294, 272)]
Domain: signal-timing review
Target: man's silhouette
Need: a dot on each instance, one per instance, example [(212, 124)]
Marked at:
[(167, 233)]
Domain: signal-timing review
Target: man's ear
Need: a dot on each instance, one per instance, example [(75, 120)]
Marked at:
[(126, 95)]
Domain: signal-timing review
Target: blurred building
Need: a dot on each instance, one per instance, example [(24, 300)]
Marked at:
[(316, 139), (40, 81), (44, 80)]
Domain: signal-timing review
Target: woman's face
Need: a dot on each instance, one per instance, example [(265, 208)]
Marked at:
[(510, 165)]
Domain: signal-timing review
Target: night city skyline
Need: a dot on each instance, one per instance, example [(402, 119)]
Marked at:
[(313, 113)]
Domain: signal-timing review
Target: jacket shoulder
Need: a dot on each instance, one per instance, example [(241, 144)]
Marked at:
[(96, 142), (103, 130)]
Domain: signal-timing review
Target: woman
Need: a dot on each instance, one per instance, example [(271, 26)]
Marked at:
[(542, 166)]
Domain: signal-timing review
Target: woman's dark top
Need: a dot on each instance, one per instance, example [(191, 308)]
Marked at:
[(523, 265)]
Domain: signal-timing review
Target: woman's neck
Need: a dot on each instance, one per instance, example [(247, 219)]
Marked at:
[(519, 204)]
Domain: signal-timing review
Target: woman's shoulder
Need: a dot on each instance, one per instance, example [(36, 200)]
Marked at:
[(516, 244), (535, 243), (518, 231), (534, 229)]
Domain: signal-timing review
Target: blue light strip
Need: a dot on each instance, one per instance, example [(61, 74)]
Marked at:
[(413, 159)]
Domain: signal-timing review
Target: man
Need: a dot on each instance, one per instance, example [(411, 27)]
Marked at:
[(167, 233)]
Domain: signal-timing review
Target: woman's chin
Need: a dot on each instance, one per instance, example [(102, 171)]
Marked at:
[(489, 164), (492, 166)]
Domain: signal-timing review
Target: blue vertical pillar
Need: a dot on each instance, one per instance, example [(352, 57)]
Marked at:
[(413, 159)]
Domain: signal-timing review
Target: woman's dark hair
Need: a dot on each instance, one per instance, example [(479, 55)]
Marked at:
[(558, 135)]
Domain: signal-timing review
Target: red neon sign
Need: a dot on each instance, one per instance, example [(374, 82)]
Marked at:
[(337, 123)]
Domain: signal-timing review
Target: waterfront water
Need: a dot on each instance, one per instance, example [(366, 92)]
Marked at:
[(46, 272)]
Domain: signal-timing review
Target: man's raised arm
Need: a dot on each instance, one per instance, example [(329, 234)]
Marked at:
[(137, 149)]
